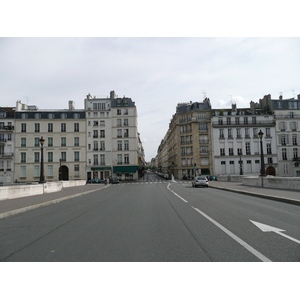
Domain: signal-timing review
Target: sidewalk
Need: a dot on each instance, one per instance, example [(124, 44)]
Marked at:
[(11, 207), (288, 196)]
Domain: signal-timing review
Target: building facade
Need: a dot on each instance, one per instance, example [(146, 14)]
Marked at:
[(236, 145), (186, 149), (64, 150), (113, 144), (287, 116), (7, 138)]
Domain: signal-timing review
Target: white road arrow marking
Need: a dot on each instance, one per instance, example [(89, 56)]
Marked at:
[(268, 228)]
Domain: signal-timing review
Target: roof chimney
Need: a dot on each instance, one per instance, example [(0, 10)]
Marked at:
[(71, 105)]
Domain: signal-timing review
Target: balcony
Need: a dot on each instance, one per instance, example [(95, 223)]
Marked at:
[(7, 128), (248, 124), (296, 158), (2, 141)]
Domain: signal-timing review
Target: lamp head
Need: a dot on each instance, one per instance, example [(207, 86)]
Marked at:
[(260, 134)]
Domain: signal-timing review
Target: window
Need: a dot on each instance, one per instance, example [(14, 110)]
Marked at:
[(50, 116), (237, 120), (102, 145), (23, 171), (245, 120), (269, 148), (23, 142), (76, 127), (36, 142), (238, 133), (23, 127), (50, 142), (295, 152), (50, 171), (76, 156), (239, 151), (247, 132), (119, 122), (95, 134), (204, 150), (63, 127), (126, 159), (284, 157), (63, 142), (285, 169), (230, 151), (221, 131), (23, 157), (119, 145), (76, 170), (119, 159), (201, 116), (268, 132), (102, 133), (9, 135), (253, 120), (118, 111), (102, 159), (248, 152), (255, 132), (63, 116), (222, 151), (126, 133), (125, 122), (119, 133), (36, 171), (36, 127), (126, 111), (282, 126), (95, 159), (231, 162), (270, 160), (230, 133), (50, 127), (293, 126), (228, 121), (202, 127), (126, 145), (95, 146), (76, 141), (102, 123), (283, 140), (63, 156), (36, 157), (220, 121), (294, 139), (50, 156)]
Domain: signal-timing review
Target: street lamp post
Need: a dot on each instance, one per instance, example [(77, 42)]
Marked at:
[(262, 163), (42, 176), (241, 168)]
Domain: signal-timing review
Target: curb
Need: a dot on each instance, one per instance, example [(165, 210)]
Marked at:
[(268, 197), (41, 204)]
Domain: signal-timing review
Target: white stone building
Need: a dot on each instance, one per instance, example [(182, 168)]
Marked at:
[(65, 143), (236, 145), (113, 144), (7, 139)]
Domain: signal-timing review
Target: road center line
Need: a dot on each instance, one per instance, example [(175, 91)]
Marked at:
[(228, 232)]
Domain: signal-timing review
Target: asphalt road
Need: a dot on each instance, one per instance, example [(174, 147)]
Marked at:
[(154, 220)]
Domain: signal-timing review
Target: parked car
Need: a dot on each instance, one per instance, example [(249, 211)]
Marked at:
[(115, 180), (96, 180), (212, 177), (200, 181)]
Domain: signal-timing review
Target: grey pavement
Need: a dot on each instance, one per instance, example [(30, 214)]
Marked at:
[(289, 196), (14, 206)]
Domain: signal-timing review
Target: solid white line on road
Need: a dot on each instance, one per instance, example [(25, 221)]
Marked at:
[(232, 235), (175, 193), (236, 238)]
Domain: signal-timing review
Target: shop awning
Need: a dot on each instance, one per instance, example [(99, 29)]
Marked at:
[(100, 168), (125, 169)]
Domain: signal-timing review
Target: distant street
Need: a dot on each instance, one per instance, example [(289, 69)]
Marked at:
[(154, 220)]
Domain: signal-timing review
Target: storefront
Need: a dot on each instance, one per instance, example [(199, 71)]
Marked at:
[(126, 172)]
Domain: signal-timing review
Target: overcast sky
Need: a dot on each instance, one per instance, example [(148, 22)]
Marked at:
[(157, 73)]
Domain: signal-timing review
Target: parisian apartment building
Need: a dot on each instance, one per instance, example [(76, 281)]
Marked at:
[(7, 139), (64, 148), (186, 149), (114, 147), (100, 141), (205, 141)]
